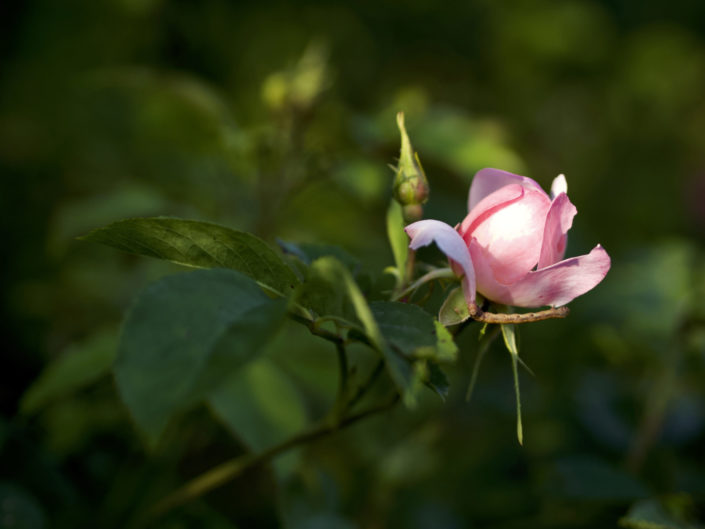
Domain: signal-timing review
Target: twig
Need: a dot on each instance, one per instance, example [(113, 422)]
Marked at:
[(362, 390), (492, 317), (315, 329), (229, 470), (343, 367)]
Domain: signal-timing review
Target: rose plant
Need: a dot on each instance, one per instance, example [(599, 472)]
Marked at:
[(195, 332)]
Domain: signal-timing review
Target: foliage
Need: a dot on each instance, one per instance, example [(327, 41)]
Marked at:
[(272, 125)]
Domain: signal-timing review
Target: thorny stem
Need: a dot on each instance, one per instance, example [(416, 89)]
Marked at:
[(492, 317), (229, 470)]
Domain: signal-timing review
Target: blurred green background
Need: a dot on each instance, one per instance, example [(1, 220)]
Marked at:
[(278, 118)]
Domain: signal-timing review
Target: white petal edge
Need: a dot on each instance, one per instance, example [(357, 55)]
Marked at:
[(558, 186), (449, 241)]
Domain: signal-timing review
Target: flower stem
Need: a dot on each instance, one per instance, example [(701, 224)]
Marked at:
[(438, 273)]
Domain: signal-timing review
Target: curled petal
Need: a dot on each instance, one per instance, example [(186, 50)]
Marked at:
[(487, 181), (424, 232), (558, 221), (559, 186), (556, 285)]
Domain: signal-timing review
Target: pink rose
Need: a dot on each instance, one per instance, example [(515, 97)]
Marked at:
[(511, 244)]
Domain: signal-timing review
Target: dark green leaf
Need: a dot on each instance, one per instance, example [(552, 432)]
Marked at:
[(184, 335), (414, 332), (309, 252), (80, 365), (329, 290), (260, 405), (199, 244), (18, 509), (438, 381), (411, 333), (585, 477)]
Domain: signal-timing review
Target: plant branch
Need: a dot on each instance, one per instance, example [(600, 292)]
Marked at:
[(315, 329), (438, 273), (492, 317), (343, 366), (229, 470), (362, 390)]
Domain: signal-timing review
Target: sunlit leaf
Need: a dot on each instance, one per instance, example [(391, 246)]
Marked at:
[(198, 244), (183, 336), (454, 309), (398, 239)]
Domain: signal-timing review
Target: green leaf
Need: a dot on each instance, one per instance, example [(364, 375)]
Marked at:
[(590, 478), (19, 509), (398, 239), (330, 290), (201, 245), (183, 336), (309, 252), (80, 365), (260, 405), (651, 514), (438, 381), (510, 341), (413, 332), (324, 289), (454, 309)]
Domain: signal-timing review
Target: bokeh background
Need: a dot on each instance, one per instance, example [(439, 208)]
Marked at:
[(278, 118)]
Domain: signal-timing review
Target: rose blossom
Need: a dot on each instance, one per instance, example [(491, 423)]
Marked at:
[(511, 244)]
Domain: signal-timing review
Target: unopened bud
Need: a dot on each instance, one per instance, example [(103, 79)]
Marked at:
[(410, 183)]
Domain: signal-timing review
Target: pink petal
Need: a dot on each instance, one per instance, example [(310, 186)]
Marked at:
[(487, 181), (424, 232), (512, 235), (556, 285), (558, 222), (490, 204)]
